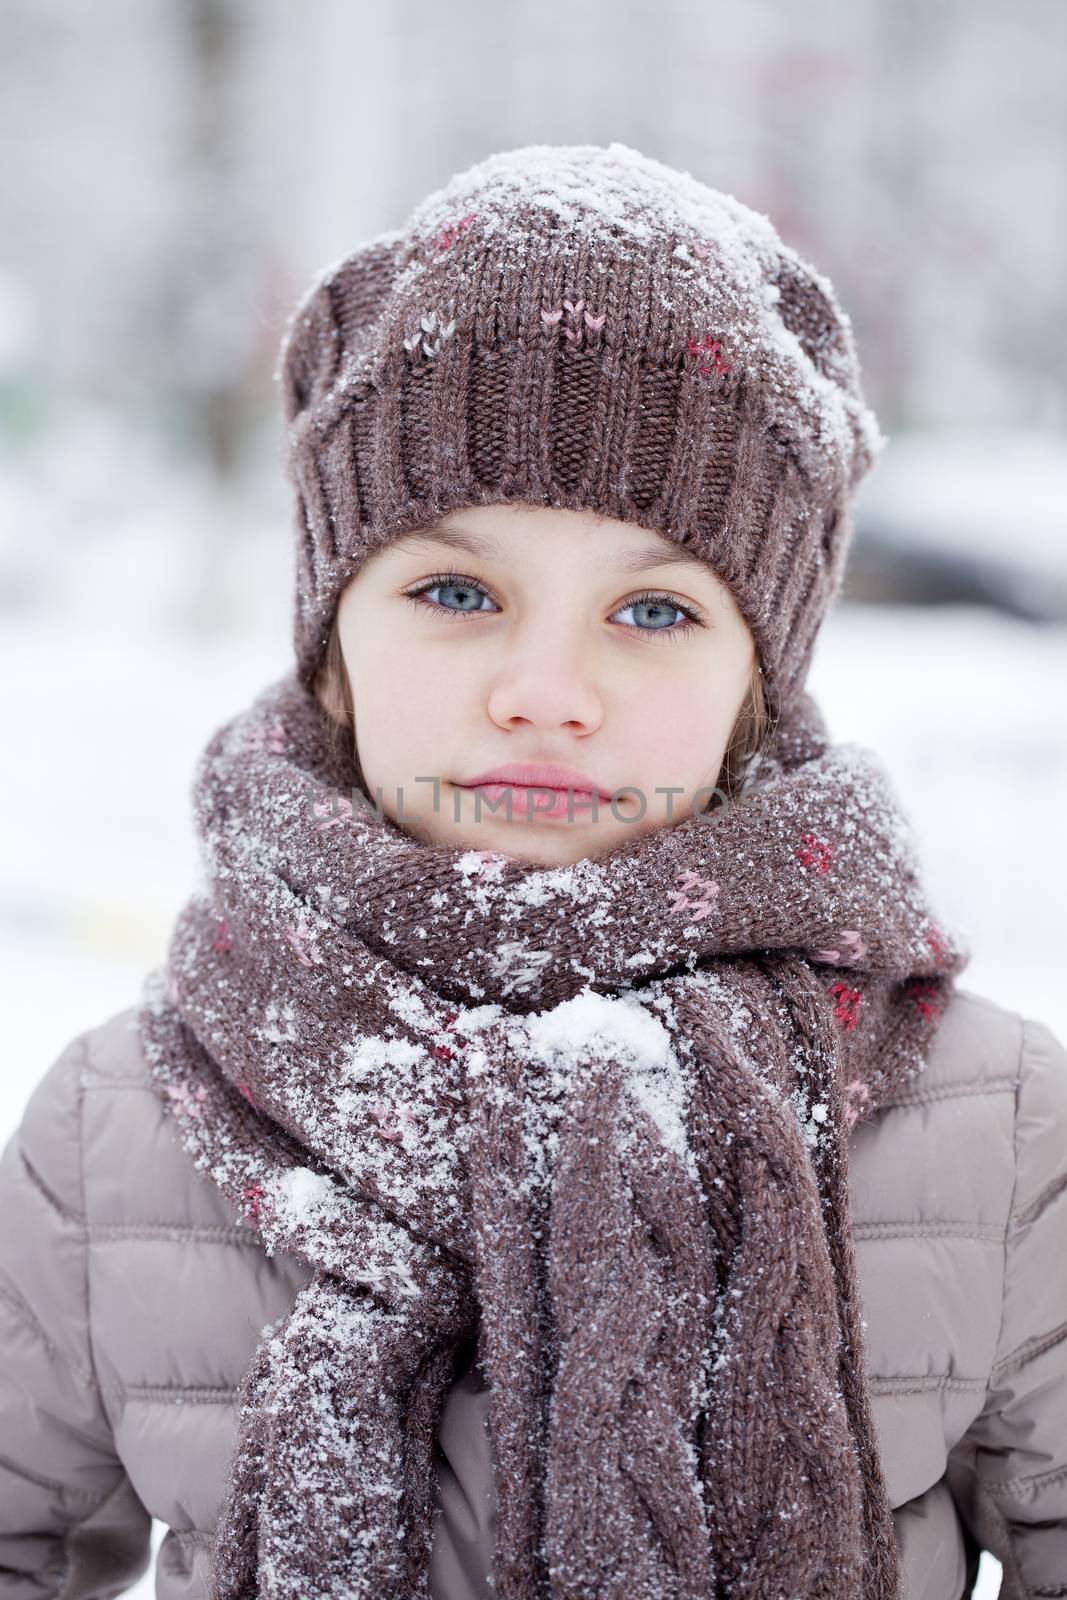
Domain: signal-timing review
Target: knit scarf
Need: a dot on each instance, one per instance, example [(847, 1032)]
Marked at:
[(595, 1117)]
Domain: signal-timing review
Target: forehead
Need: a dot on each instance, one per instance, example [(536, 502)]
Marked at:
[(644, 548)]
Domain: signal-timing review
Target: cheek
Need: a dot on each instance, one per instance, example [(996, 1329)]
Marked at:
[(402, 706), (681, 728)]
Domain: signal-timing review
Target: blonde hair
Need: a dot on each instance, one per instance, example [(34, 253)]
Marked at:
[(331, 687)]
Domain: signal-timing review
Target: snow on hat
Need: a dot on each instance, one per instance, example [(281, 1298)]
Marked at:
[(582, 326)]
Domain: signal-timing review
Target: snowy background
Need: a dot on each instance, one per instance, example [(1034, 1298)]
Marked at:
[(178, 170)]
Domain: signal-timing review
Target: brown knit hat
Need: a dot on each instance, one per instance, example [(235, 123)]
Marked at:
[(583, 327)]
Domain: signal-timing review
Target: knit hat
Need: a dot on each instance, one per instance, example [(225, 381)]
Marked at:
[(582, 327)]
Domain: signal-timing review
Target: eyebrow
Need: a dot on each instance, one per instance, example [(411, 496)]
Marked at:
[(475, 544)]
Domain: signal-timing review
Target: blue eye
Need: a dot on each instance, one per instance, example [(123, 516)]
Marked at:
[(662, 604), (466, 588), (655, 608)]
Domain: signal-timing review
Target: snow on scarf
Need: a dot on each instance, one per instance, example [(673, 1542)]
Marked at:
[(597, 1117)]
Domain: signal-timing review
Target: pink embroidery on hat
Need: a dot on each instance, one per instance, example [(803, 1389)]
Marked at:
[(243, 1089), (429, 325), (709, 349), (814, 852), (579, 319), (940, 954), (846, 1008), (223, 939), (696, 896), (451, 232), (850, 950)]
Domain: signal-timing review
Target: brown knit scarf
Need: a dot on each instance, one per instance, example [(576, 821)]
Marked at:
[(596, 1116)]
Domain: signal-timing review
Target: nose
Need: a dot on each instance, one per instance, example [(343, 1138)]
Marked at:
[(544, 683)]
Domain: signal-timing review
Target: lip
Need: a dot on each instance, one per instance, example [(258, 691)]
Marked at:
[(531, 774)]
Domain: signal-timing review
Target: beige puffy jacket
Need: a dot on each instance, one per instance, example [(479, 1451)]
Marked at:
[(132, 1298)]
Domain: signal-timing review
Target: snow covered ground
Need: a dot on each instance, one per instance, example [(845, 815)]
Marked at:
[(138, 616)]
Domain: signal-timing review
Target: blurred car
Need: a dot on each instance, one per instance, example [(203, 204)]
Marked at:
[(965, 518)]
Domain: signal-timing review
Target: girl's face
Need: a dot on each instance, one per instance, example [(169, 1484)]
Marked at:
[(515, 636)]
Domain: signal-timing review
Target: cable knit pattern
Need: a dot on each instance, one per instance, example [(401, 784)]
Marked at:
[(602, 1130)]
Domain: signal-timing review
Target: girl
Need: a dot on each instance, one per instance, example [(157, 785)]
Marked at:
[(556, 1158)]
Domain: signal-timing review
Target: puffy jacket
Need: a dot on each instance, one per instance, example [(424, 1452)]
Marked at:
[(132, 1297)]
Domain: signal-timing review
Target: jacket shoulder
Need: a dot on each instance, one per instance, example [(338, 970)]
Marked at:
[(134, 1168), (113, 1048), (1040, 1122), (48, 1135), (989, 1048), (975, 1049)]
